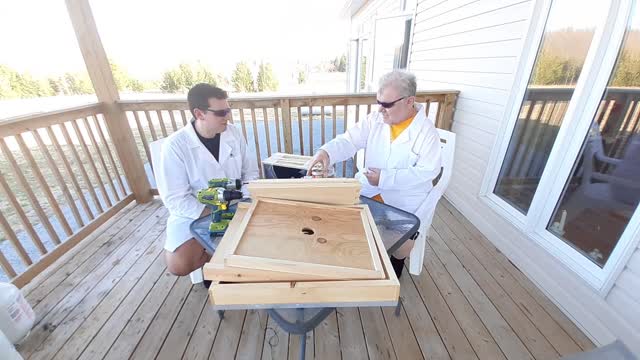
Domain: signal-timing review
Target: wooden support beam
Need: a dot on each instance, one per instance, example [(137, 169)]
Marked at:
[(101, 76)]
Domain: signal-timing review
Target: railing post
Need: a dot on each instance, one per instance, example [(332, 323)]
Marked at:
[(286, 126), (445, 112), (101, 76)]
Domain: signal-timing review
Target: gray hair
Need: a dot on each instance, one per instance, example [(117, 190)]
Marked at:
[(404, 81)]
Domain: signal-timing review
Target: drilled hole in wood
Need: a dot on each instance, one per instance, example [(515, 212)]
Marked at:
[(322, 240), (316, 218), (307, 231)]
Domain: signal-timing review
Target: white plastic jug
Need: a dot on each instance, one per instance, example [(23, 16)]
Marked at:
[(7, 350), (16, 316)]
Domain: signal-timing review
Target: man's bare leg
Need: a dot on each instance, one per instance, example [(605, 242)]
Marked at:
[(186, 258)]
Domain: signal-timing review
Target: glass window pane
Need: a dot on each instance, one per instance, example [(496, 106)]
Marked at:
[(604, 189), (561, 55)]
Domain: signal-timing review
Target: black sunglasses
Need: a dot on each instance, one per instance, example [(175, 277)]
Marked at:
[(220, 113), (389, 105)]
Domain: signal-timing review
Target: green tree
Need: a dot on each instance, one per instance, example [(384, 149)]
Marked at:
[(123, 80), (242, 78), (16, 85), (266, 79), (302, 77), (183, 77), (6, 79), (77, 84), (627, 71)]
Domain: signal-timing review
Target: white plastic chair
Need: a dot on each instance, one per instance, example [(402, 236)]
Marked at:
[(428, 208), (155, 148)]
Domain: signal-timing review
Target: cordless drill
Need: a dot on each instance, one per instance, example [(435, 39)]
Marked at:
[(217, 197)]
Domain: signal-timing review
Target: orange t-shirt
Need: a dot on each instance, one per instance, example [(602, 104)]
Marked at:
[(397, 129)]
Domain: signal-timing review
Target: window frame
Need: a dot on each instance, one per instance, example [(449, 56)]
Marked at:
[(597, 69)]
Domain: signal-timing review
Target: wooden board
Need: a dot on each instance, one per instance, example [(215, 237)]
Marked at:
[(361, 292), (288, 160), (332, 191), (319, 241)]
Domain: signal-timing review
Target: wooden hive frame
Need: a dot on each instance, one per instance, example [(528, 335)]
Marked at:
[(263, 289)]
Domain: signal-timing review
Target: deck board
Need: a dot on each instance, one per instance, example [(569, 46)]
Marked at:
[(113, 298)]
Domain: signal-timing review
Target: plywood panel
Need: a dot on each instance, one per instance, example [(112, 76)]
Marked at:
[(323, 191)]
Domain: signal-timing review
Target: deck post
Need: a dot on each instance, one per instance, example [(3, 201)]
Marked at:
[(106, 90)]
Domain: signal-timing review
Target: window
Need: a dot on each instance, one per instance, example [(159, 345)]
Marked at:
[(391, 42), (604, 188), (552, 82), (567, 171)]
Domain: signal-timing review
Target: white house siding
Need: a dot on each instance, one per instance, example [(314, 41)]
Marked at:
[(474, 47), (363, 20)]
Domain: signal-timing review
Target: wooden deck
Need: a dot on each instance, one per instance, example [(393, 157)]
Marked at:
[(113, 298)]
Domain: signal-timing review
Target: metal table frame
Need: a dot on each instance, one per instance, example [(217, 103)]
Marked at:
[(200, 230)]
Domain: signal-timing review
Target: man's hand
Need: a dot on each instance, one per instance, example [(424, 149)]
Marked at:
[(373, 176), (321, 157)]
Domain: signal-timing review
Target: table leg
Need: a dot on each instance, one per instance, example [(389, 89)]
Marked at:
[(303, 337)]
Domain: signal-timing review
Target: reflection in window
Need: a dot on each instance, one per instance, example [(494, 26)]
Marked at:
[(604, 189), (558, 65)]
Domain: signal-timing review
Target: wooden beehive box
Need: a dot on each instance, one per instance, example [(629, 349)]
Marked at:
[(271, 267), (334, 191)]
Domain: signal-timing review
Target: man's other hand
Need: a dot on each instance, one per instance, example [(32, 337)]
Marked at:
[(373, 176), (322, 158)]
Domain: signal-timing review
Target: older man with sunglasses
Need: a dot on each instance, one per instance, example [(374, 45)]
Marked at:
[(206, 148), (401, 152)]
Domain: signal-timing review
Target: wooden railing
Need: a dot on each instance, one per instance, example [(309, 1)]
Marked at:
[(59, 180), (618, 118), (282, 124), (64, 173)]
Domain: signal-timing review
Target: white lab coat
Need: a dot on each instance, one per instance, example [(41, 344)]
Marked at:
[(186, 166), (408, 164)]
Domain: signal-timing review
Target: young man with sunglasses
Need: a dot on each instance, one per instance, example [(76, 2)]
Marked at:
[(401, 154), (206, 148)]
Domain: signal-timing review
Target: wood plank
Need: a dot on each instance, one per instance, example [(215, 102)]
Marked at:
[(422, 325), (183, 327), (277, 122), (15, 242), (226, 343), (103, 140), (448, 328), (243, 125), (352, 342), (403, 338), (103, 164), (33, 200), (123, 346), (479, 337), (88, 184), (347, 252), (68, 340), (495, 320), (265, 120), (59, 178), (252, 335), (71, 174), (150, 343), (143, 137), (78, 304), (92, 165), (335, 121), (17, 125), (578, 336), (286, 126), (184, 118), (40, 287), (44, 185), (93, 338), (300, 131), (201, 341), (173, 121), (152, 129), (343, 192), (276, 342), (327, 338), (322, 122), (344, 130), (310, 129), (376, 334), (6, 266), (294, 346), (256, 139), (560, 340), (161, 121)]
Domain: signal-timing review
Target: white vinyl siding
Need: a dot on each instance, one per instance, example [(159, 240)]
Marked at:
[(475, 47)]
